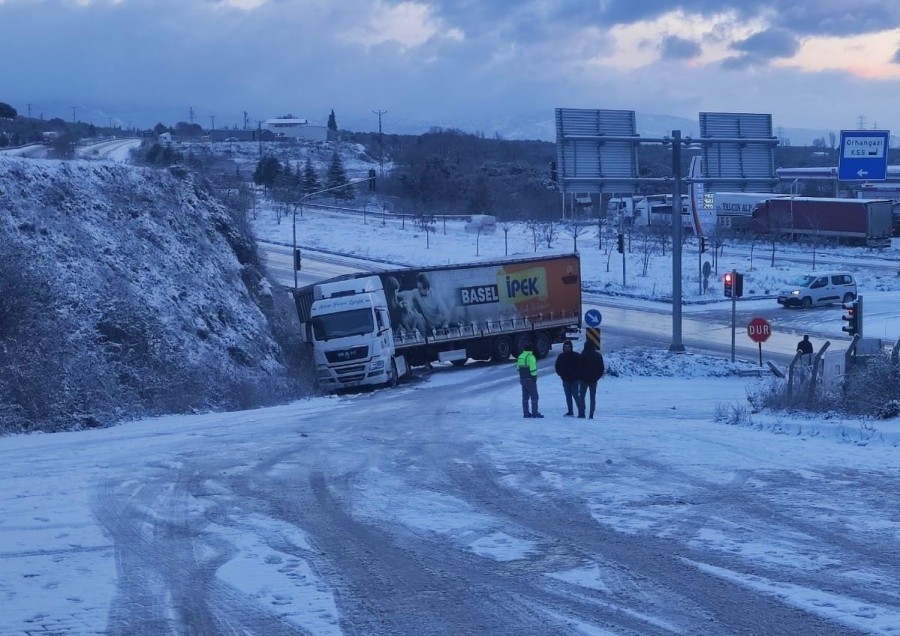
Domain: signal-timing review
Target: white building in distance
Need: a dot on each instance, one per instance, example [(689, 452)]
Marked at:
[(296, 128)]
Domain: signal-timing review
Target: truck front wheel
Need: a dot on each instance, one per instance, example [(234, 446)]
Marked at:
[(393, 376), (502, 349)]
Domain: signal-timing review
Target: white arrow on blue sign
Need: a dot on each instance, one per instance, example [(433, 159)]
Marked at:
[(864, 155), (592, 318)]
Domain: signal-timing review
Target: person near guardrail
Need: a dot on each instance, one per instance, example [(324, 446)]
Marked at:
[(805, 347), (526, 365), (567, 370)]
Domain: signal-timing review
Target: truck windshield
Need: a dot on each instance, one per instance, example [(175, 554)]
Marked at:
[(346, 323)]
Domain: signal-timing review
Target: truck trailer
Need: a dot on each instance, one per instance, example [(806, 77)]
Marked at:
[(860, 221), (735, 209), (368, 329)]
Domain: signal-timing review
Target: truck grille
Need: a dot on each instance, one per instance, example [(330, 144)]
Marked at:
[(353, 373), (346, 355)]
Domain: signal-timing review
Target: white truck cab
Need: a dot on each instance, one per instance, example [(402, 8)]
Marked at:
[(350, 330)]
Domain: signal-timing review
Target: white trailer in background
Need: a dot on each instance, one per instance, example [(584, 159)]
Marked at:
[(735, 209), (648, 210)]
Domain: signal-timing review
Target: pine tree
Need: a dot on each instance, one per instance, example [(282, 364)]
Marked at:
[(332, 122), (310, 178), (267, 170), (337, 177)]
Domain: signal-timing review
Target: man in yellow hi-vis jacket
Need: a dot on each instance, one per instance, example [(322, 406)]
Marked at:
[(526, 364)]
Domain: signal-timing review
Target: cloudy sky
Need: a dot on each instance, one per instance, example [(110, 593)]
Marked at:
[(473, 64)]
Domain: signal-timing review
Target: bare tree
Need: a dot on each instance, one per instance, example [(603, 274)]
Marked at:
[(648, 241), (506, 226), (426, 223), (574, 229), (549, 230), (600, 227), (533, 227)]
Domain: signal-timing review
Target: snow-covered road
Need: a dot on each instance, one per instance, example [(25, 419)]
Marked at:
[(435, 508)]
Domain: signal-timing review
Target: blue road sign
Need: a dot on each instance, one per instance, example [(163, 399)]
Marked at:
[(864, 155), (592, 318)]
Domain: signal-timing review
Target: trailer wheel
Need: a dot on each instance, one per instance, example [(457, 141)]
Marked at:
[(502, 349), (848, 297), (520, 341), (806, 303), (542, 345)]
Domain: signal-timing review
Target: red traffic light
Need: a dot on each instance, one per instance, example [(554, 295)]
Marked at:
[(728, 278)]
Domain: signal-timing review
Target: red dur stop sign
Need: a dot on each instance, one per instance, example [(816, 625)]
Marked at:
[(759, 330)]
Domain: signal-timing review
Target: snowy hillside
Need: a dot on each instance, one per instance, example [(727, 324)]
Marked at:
[(124, 292)]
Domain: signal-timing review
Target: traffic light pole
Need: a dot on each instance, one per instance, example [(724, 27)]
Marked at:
[(734, 313), (677, 345), (299, 204)]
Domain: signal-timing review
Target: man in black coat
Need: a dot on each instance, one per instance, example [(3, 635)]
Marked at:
[(590, 370), (567, 370)]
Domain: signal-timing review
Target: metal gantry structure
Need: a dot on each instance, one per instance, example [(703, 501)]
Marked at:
[(597, 153)]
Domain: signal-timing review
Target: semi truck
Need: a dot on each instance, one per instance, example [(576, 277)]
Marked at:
[(369, 329), (860, 221)]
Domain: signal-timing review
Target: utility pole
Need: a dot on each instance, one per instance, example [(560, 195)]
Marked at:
[(212, 119), (73, 113), (861, 122), (191, 114), (29, 111), (380, 143), (246, 119), (259, 135)]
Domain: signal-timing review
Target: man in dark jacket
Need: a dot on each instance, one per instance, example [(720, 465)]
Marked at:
[(590, 370), (567, 370)]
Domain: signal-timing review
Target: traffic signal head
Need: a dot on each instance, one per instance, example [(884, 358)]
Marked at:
[(702, 244), (620, 243), (728, 279), (738, 287), (852, 318)]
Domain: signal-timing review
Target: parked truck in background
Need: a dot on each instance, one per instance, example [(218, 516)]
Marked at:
[(648, 210), (860, 221), (884, 191), (369, 329), (735, 209)]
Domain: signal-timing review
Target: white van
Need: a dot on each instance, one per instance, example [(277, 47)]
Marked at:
[(819, 289)]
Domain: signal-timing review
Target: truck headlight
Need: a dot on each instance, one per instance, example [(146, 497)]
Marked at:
[(377, 365)]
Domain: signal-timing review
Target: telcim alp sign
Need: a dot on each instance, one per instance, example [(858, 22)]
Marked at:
[(863, 155)]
